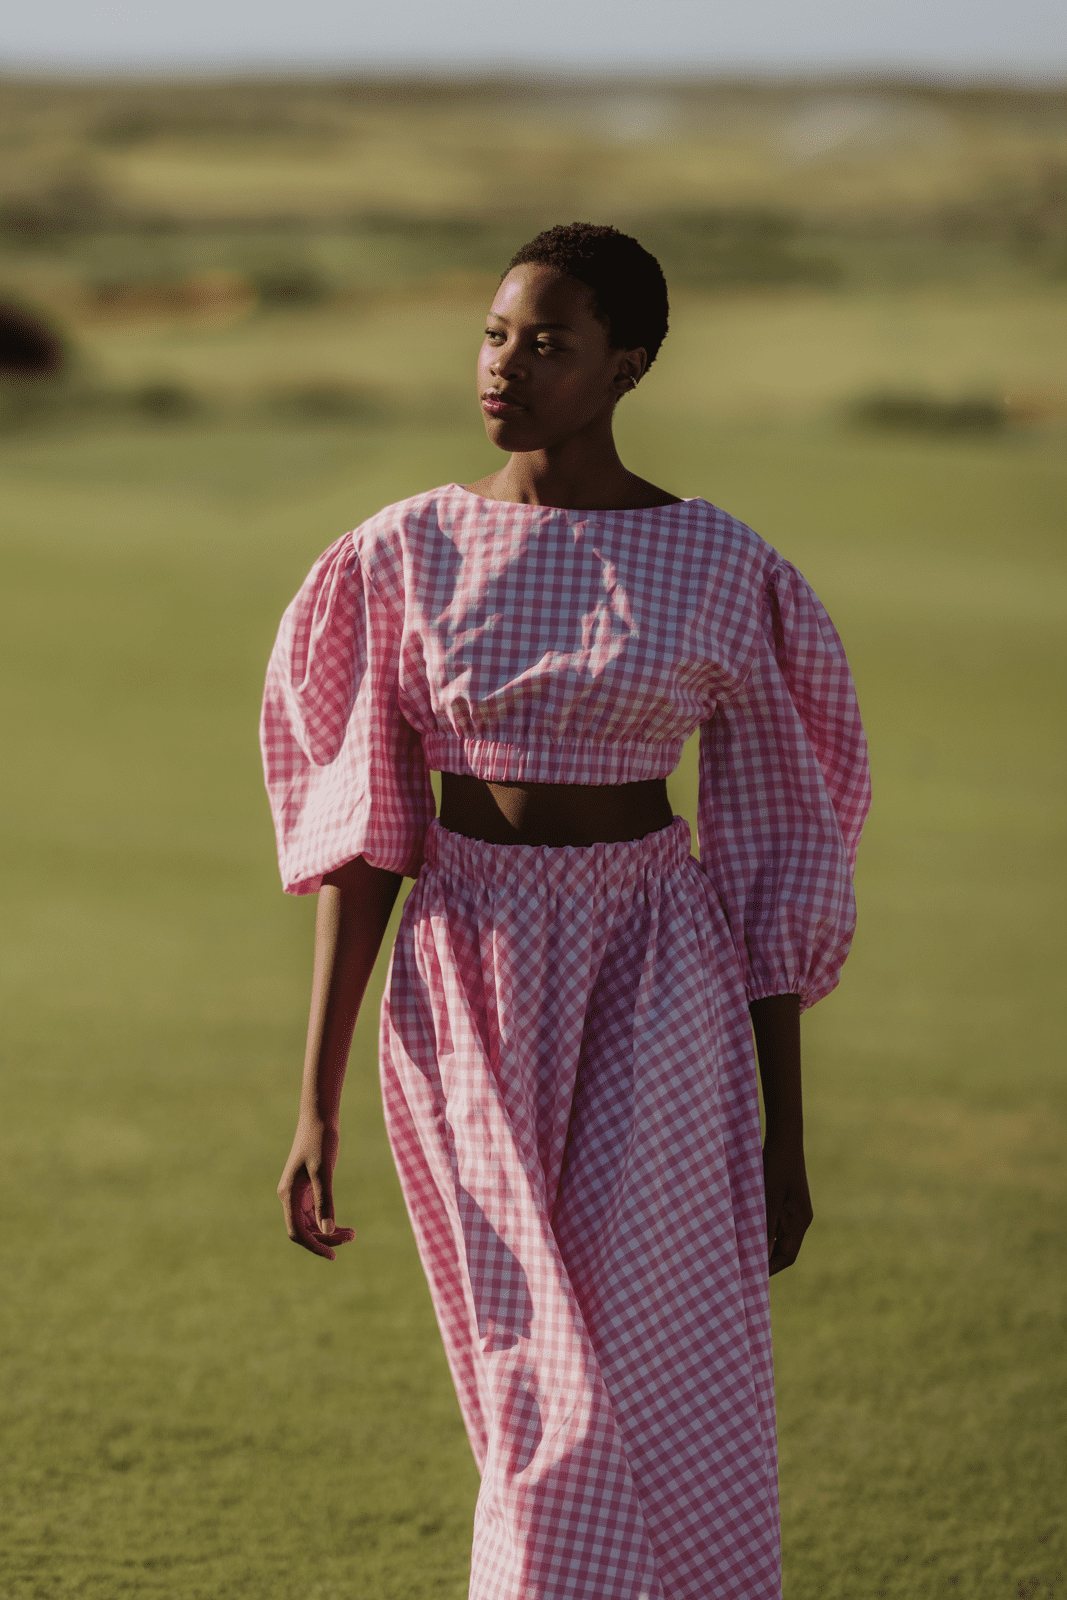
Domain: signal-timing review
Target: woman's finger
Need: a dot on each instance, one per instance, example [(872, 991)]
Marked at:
[(299, 1208), (285, 1195), (775, 1207), (311, 1236), (308, 1217), (783, 1255), (792, 1224), (322, 1196)]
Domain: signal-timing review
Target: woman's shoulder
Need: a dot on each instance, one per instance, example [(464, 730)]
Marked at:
[(727, 542), (417, 508), (389, 529)]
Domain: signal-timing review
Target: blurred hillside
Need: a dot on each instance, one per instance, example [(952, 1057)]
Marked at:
[(147, 218)]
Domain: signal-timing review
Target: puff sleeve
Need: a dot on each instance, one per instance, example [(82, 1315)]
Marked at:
[(784, 790), (344, 769)]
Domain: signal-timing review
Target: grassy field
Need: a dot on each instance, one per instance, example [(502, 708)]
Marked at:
[(119, 197), (193, 1410)]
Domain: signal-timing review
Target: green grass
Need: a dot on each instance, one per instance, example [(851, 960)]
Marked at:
[(193, 1409)]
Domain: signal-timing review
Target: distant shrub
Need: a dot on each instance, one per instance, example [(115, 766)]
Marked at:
[(211, 117), (423, 243), (293, 286), (733, 248), (925, 413), (326, 400), (29, 347), (166, 401), (35, 370), (76, 203), (133, 296), (426, 227)]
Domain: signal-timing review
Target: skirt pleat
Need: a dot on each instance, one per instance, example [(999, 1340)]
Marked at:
[(570, 1093)]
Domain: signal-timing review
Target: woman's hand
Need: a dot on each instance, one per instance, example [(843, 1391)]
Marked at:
[(788, 1202), (306, 1190), (776, 1025), (354, 905)]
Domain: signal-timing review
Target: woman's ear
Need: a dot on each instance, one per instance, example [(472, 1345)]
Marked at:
[(632, 367)]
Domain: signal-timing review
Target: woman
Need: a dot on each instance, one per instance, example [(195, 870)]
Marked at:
[(566, 1045)]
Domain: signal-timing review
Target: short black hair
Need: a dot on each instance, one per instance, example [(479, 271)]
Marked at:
[(629, 289)]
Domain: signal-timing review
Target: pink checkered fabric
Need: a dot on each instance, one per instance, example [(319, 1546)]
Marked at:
[(513, 642), (566, 1054), (570, 1095)]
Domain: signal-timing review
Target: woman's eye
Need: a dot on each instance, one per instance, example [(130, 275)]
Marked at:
[(493, 334), (544, 347)]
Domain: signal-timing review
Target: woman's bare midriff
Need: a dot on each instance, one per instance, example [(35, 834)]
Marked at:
[(553, 813)]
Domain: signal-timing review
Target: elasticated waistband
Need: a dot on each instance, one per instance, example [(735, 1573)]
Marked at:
[(551, 760), (472, 860)]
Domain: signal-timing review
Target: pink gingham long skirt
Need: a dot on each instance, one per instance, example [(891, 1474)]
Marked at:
[(570, 1094)]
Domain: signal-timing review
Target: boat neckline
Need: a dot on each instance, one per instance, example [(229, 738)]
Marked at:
[(596, 511)]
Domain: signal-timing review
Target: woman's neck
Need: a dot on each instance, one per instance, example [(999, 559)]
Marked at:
[(577, 479)]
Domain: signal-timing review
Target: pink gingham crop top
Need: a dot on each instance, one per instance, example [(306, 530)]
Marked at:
[(516, 642)]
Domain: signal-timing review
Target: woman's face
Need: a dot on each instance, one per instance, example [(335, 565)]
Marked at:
[(546, 370)]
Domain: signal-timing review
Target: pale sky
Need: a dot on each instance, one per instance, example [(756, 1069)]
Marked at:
[(955, 38)]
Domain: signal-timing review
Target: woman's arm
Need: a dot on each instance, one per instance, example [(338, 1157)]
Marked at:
[(354, 906), (776, 1025)]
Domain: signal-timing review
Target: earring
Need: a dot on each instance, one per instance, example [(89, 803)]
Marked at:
[(633, 382)]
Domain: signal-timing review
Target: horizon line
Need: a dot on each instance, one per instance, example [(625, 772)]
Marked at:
[(543, 74)]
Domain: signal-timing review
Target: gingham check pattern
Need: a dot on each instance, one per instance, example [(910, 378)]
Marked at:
[(566, 1052), (524, 642), (585, 1184)]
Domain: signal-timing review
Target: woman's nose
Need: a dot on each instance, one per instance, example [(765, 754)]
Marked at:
[(505, 362)]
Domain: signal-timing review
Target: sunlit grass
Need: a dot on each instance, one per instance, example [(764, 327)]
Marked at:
[(193, 1409)]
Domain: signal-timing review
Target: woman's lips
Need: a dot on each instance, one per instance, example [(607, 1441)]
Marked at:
[(494, 404)]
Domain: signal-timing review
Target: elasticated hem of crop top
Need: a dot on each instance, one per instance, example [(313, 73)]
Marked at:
[(551, 760)]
